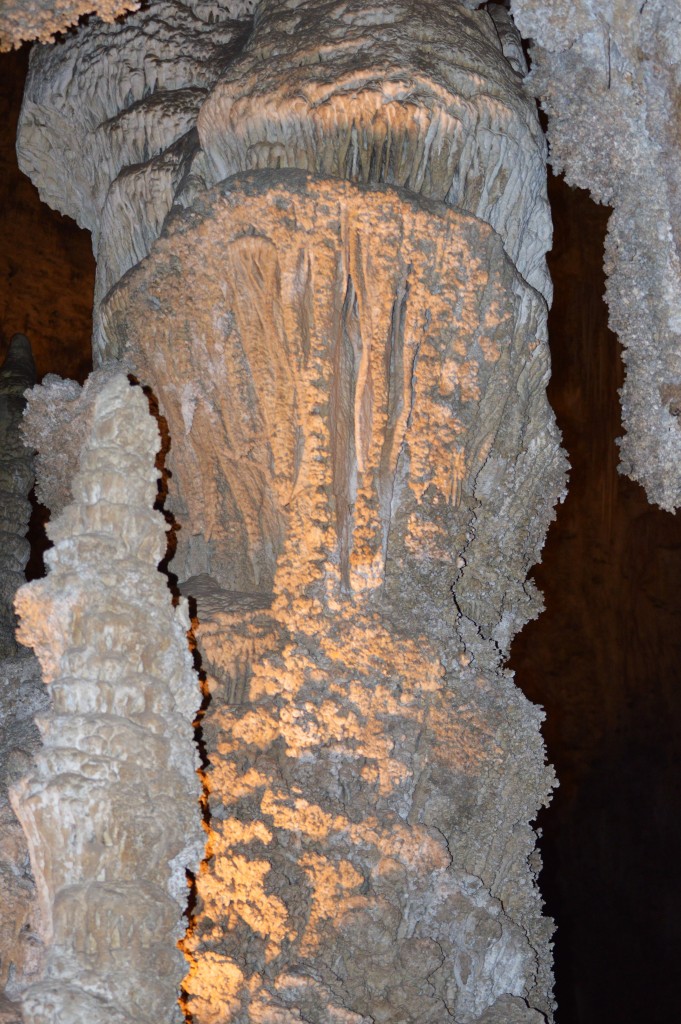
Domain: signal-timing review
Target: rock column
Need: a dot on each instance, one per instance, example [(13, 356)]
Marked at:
[(110, 807), (342, 311)]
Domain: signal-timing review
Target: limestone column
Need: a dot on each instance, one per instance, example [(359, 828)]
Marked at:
[(110, 805), (329, 266)]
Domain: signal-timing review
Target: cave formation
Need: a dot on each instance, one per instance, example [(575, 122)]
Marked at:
[(600, 659)]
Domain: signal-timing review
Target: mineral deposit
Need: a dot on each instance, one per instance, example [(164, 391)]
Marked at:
[(110, 807)]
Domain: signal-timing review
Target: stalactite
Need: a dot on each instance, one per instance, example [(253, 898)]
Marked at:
[(110, 807), (608, 78)]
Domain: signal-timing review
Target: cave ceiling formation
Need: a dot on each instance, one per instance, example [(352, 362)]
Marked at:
[(355, 178), (608, 76)]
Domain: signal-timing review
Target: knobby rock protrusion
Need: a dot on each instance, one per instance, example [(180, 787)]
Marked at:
[(110, 806)]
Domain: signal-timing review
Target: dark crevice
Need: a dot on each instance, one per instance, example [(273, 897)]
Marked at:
[(604, 660)]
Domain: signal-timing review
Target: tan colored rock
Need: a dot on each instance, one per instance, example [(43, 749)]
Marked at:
[(352, 435), (377, 94), (110, 808), (22, 20)]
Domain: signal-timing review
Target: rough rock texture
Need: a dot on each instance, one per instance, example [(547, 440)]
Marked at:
[(609, 77), (22, 697), (356, 401), (56, 424), (373, 95), (380, 95), (22, 20), (110, 808), (363, 467), (132, 142), (21, 692)]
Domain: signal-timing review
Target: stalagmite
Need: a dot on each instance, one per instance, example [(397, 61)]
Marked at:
[(321, 241), (110, 807), (21, 692), (367, 438)]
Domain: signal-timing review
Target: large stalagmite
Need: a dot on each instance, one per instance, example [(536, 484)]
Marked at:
[(360, 391), (109, 808), (363, 466)]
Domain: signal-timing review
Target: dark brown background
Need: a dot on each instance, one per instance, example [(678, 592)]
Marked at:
[(604, 659)]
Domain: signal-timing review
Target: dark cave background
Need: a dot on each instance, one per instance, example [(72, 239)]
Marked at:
[(604, 659)]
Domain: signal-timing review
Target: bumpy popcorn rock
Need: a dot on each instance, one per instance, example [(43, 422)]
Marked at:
[(111, 807)]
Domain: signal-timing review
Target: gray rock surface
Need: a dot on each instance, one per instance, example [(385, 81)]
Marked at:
[(110, 807), (609, 77)]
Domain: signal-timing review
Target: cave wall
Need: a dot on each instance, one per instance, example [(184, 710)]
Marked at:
[(46, 264)]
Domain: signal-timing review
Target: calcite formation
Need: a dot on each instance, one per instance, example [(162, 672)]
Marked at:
[(608, 77), (373, 771), (22, 20), (321, 241), (21, 692), (379, 96), (110, 806), (132, 141)]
